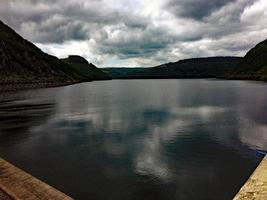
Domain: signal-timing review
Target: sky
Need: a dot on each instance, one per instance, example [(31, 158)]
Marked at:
[(138, 33)]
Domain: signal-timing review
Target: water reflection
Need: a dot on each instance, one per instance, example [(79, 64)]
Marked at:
[(145, 139)]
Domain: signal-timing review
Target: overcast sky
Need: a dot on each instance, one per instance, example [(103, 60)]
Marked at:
[(112, 33)]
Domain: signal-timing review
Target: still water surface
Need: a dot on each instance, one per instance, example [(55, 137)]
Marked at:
[(138, 139)]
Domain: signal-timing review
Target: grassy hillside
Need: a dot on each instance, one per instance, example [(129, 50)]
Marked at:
[(84, 69)]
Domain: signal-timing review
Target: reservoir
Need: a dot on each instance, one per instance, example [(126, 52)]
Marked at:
[(138, 139)]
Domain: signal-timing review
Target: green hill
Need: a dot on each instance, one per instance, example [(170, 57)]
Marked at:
[(84, 69)]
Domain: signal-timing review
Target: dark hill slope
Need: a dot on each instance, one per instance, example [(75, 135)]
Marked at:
[(212, 67), (23, 62), (87, 70), (254, 64)]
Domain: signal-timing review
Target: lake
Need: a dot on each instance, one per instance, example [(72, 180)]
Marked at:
[(138, 139)]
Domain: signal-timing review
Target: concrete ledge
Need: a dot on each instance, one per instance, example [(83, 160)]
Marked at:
[(21, 185), (256, 186)]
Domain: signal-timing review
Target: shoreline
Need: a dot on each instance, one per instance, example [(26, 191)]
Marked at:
[(12, 87)]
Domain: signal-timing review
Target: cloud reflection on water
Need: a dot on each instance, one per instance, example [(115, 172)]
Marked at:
[(196, 134)]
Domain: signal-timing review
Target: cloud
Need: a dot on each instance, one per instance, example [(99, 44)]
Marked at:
[(256, 12), (196, 9), (139, 33)]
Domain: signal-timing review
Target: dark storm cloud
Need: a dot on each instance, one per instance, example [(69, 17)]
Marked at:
[(196, 9), (135, 43), (57, 21)]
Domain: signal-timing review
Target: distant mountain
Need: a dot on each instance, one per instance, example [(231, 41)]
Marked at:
[(252, 67), (122, 72), (212, 67), (84, 69), (254, 64)]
